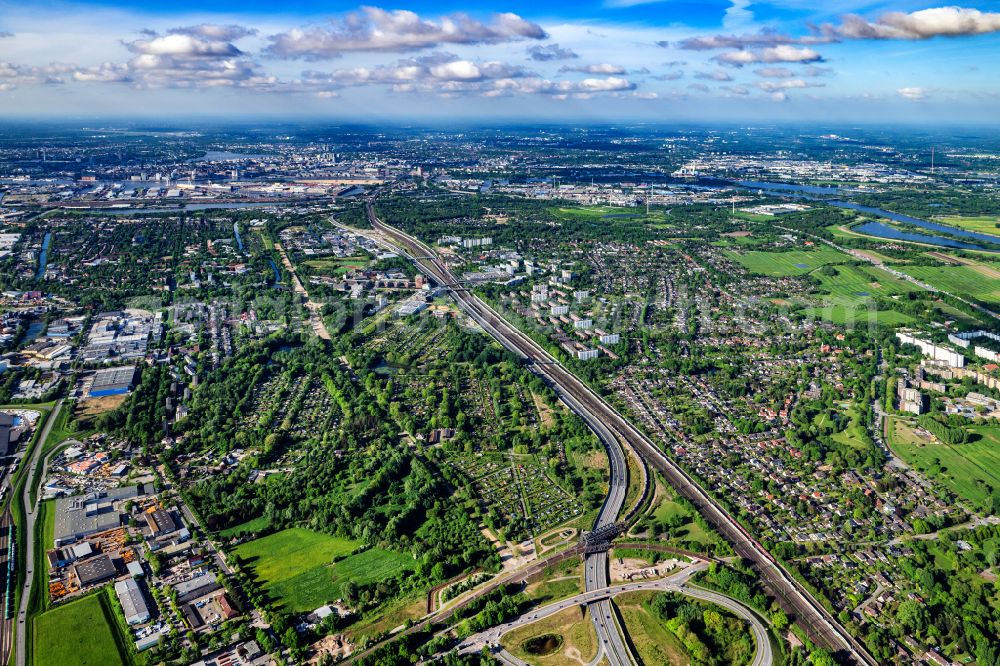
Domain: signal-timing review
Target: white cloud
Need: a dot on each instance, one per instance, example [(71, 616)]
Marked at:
[(913, 93), (375, 29), (603, 68), (13, 75), (199, 56), (772, 54), (107, 72), (457, 70), (774, 72), (550, 52), (185, 46), (715, 75), (764, 37), (669, 76), (610, 83), (787, 84), (923, 24)]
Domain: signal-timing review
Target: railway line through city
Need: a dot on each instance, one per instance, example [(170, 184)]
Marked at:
[(819, 624)]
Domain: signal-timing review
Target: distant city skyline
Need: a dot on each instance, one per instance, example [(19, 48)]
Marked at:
[(616, 60)]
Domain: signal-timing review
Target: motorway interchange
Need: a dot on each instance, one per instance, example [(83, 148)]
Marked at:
[(615, 431)]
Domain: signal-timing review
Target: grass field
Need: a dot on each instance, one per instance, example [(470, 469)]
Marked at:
[(573, 628), (690, 535), (853, 435), (983, 224), (848, 316), (79, 633), (848, 297), (965, 469), (958, 280), (252, 525), (393, 615), (337, 266), (793, 262), (560, 580), (608, 214), (296, 566), (856, 285), (653, 642)]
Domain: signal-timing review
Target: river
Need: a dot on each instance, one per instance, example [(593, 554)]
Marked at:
[(236, 232), (43, 258), (788, 187), (917, 222), (881, 229), (888, 231)]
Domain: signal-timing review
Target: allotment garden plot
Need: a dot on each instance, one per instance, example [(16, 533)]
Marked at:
[(516, 493), (299, 406)]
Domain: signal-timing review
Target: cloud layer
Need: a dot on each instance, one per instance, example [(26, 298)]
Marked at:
[(371, 52), (375, 29), (923, 24)]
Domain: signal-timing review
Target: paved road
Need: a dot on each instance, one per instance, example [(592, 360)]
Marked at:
[(314, 308), (610, 639), (819, 624), (490, 638), (764, 655), (443, 615), (610, 636), (31, 513)]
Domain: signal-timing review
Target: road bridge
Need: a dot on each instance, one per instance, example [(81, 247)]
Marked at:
[(820, 625)]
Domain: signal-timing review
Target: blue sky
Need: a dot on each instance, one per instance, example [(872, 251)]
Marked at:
[(725, 60)]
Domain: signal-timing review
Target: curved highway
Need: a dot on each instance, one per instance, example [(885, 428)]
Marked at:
[(822, 628), (764, 655), (602, 613)]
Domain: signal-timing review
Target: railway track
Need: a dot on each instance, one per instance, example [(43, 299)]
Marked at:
[(820, 625)]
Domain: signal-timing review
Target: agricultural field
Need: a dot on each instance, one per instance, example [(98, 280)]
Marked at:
[(88, 630), (792, 262), (972, 280), (855, 285), (848, 316), (965, 469), (983, 224), (849, 295), (284, 553), (566, 637)]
